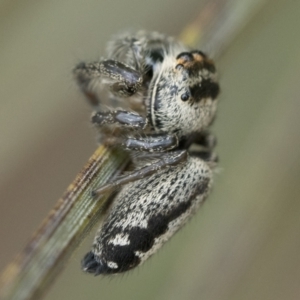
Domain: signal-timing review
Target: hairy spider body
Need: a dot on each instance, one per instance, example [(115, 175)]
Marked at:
[(170, 94)]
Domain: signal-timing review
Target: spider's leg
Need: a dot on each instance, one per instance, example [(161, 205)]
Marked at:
[(167, 159), (123, 80), (151, 143), (121, 118)]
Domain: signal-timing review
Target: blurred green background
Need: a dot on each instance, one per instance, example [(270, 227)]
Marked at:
[(245, 241)]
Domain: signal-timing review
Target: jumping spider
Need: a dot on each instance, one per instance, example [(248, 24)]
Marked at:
[(170, 94)]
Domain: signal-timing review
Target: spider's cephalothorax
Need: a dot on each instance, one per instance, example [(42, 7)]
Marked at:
[(168, 95)]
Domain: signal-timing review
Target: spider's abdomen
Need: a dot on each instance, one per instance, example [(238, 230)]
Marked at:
[(145, 214)]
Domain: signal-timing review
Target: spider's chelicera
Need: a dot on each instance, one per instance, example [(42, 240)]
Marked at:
[(168, 94)]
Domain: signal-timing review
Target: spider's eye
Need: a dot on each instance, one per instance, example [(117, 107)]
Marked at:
[(185, 96)]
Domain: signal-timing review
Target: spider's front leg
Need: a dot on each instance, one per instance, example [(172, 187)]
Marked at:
[(123, 80)]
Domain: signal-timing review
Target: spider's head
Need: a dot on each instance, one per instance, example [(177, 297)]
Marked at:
[(184, 92)]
